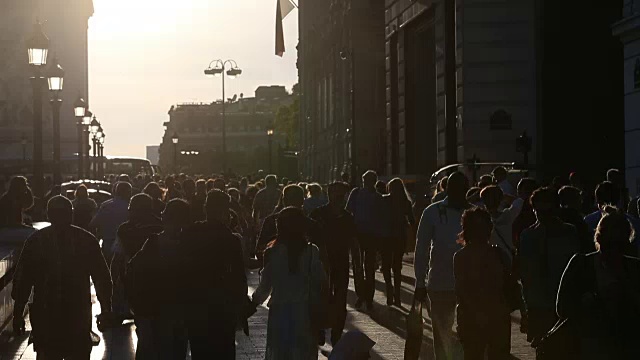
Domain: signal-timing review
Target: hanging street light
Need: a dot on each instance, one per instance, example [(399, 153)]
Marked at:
[(55, 77), (217, 68)]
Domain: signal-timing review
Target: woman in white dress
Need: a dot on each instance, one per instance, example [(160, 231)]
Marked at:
[(292, 272)]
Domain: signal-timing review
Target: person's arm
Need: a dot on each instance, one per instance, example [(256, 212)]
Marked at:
[(515, 208), (267, 233), (256, 206), (351, 203), (95, 221), (317, 269), (409, 213), (239, 275), (569, 292), (23, 282), (423, 243), (264, 288), (100, 275)]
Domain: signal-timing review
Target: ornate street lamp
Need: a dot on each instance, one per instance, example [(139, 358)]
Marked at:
[(55, 77), (218, 68), (174, 140), (37, 49), (270, 137), (101, 161), (79, 110)]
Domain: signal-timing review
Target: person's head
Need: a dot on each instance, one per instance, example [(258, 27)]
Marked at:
[(176, 215), (123, 190), (244, 182), (337, 193), (291, 225), (570, 197), (251, 191), (574, 180), (201, 187), (614, 233), (219, 184), (18, 185), (615, 176), (500, 174), (153, 189), (217, 206), (473, 195), (234, 194), (315, 190), (485, 180), (369, 180), (606, 194), (140, 206), (189, 187), (526, 187), (209, 183), (545, 202), (60, 211), (345, 177), (81, 192), (381, 187), (293, 196), (476, 226), (271, 181), (396, 189), (124, 178), (491, 197), (457, 187)]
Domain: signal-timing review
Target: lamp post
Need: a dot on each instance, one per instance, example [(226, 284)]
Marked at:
[(219, 68), (86, 148), (270, 137), (174, 140), (351, 130), (37, 48), (101, 155), (94, 128), (23, 140), (79, 110), (55, 77)]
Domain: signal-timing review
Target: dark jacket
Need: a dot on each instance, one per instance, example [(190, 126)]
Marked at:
[(133, 234), (213, 272), (59, 263), (575, 218), (338, 232)]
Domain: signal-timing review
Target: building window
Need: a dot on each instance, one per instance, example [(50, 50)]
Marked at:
[(500, 120)]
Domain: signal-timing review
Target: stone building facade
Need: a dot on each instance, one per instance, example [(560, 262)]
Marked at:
[(628, 30), (494, 82), (199, 130), (65, 22), (341, 76)]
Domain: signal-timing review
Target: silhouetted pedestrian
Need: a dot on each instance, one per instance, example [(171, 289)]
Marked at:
[(59, 263), (84, 207), (15, 202), (436, 244), (545, 250), (484, 321), (215, 284), (111, 214), (293, 275)]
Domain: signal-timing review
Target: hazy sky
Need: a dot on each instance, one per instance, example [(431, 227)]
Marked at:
[(146, 55)]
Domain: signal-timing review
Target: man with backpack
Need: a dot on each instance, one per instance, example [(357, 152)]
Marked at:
[(437, 242)]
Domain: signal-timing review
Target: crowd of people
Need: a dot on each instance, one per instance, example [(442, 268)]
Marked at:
[(173, 255)]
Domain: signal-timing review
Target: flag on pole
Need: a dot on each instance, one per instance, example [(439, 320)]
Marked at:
[(283, 8)]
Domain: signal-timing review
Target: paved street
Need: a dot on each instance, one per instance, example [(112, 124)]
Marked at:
[(385, 326)]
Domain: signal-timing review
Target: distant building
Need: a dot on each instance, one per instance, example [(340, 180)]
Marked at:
[(153, 154), (628, 30), (65, 23), (199, 130)]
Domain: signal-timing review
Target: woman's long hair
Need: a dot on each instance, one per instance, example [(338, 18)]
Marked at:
[(614, 232), (291, 224), (398, 191)]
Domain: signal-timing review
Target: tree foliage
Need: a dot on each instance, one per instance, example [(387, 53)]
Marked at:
[(287, 120)]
